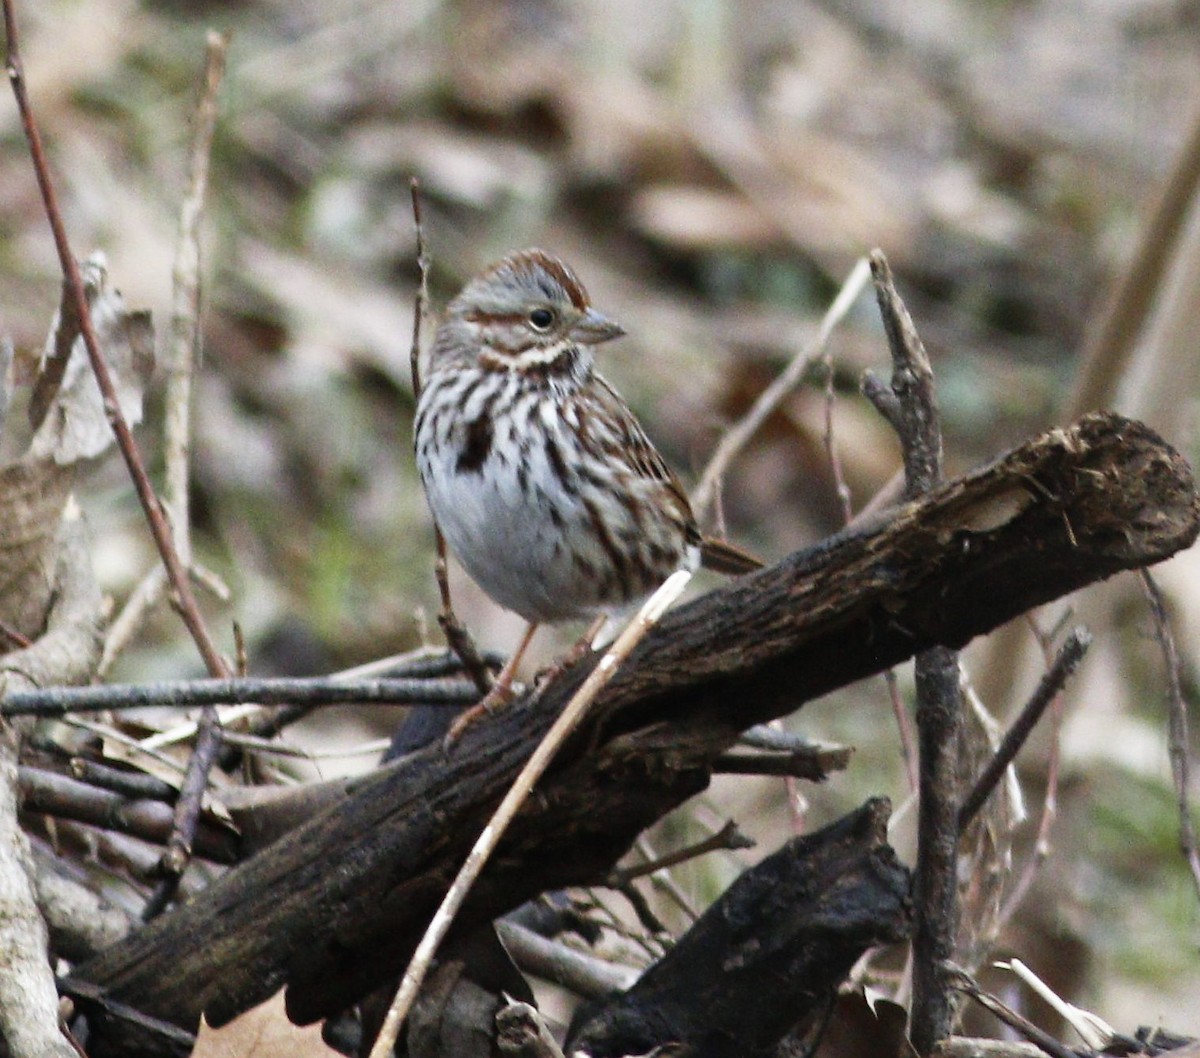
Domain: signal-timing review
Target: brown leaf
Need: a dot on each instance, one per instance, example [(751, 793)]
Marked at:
[(32, 496), (71, 425), (66, 409), (262, 1032)]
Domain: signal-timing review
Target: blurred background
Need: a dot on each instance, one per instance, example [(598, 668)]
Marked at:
[(712, 169)]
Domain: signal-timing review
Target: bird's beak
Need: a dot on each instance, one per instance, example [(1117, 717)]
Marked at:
[(594, 328)]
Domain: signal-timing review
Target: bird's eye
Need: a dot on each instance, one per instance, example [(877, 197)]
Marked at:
[(540, 319)]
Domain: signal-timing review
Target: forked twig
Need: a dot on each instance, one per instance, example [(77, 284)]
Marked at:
[(1095, 1032), (739, 434), (568, 719), (965, 983), (904, 724), (909, 402), (728, 837), (1069, 658)]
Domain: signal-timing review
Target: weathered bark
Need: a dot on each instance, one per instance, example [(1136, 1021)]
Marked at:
[(767, 957), (336, 906)]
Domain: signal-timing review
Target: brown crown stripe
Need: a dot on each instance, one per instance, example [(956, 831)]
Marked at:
[(564, 275)]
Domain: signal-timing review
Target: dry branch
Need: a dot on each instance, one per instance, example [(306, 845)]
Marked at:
[(1064, 510), (909, 402)]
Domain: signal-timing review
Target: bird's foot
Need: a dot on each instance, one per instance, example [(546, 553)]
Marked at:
[(500, 696)]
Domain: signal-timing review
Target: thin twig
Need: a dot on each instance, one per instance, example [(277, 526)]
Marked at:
[(665, 883), (177, 426), (1070, 656), (275, 748), (145, 596), (648, 938), (1041, 842), (965, 983), (728, 837), (1178, 725), (119, 780), (909, 402), (184, 348), (128, 745), (159, 527), (178, 853), (324, 690), (737, 437), (458, 638), (831, 452), (265, 721), (567, 720), (904, 725), (645, 914)]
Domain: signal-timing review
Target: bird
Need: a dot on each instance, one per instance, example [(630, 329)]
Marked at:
[(542, 481)]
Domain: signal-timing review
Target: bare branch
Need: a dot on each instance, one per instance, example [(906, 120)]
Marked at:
[(458, 638), (776, 393), (1178, 749), (909, 403), (728, 837), (1069, 658), (314, 691)]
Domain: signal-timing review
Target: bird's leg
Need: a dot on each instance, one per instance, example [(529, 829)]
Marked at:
[(500, 694), (579, 649)]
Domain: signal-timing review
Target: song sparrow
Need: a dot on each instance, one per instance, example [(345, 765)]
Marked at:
[(542, 481)]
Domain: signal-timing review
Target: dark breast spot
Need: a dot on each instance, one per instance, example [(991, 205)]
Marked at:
[(478, 445)]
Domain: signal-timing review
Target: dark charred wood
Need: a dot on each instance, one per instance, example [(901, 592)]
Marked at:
[(766, 958)]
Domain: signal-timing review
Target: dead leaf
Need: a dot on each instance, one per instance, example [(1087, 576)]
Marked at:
[(32, 496), (67, 410), (263, 1032)]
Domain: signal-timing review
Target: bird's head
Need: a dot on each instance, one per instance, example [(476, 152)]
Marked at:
[(526, 313)]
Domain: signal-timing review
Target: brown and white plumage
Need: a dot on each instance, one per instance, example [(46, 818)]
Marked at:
[(544, 484)]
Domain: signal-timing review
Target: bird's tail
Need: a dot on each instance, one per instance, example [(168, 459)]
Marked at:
[(723, 557)]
